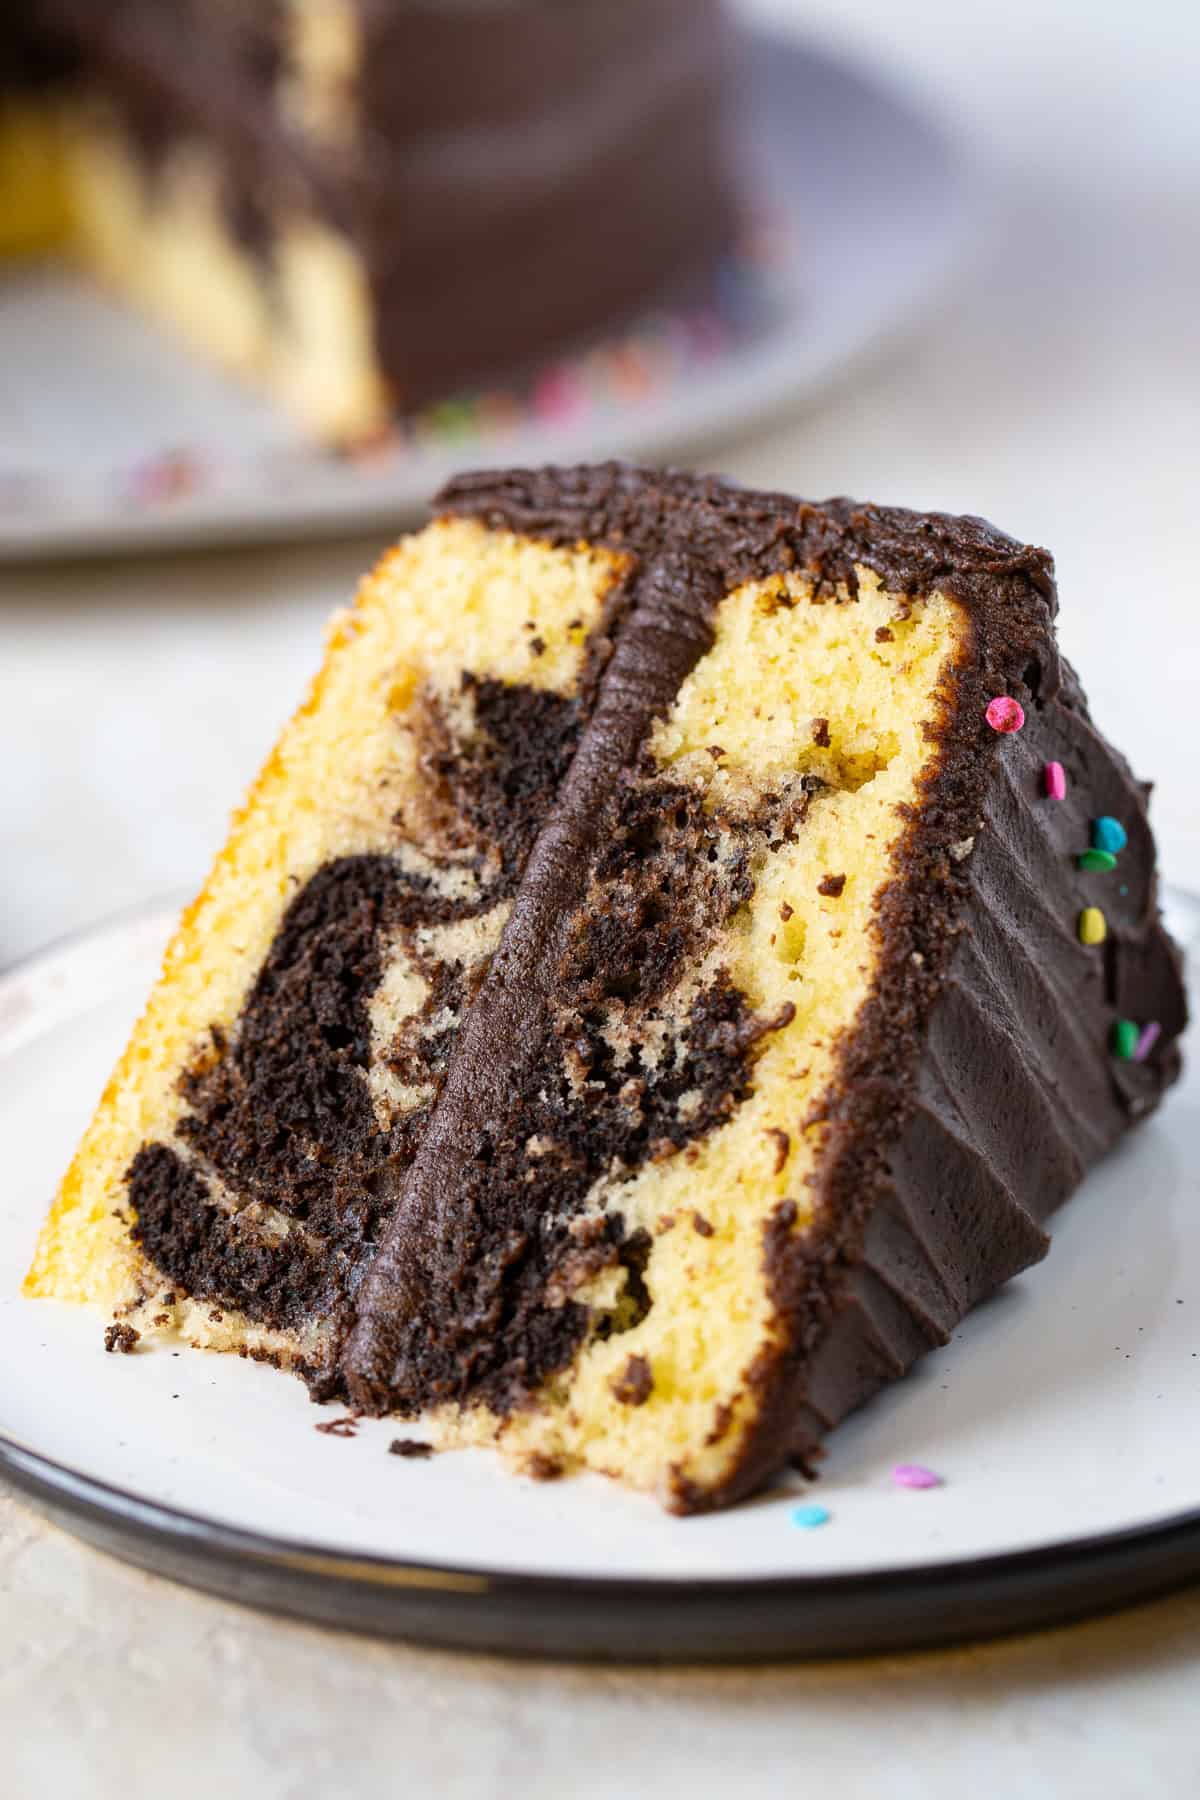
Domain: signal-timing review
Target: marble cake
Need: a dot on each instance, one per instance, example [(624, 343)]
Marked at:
[(672, 965), (367, 205)]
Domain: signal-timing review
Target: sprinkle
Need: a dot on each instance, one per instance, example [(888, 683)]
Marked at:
[(1097, 859), (1054, 776), (1147, 1038), (808, 1518), (169, 475), (1109, 834), (1005, 714), (558, 395), (1092, 926), (915, 1475), (1124, 1040)]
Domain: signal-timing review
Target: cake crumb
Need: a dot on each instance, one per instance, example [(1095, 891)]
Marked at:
[(820, 733), (540, 1467), (785, 911), (416, 1448), (120, 1340), (722, 1420), (783, 1145), (884, 634), (831, 886), (635, 1384), (701, 1225), (345, 1427), (538, 646)]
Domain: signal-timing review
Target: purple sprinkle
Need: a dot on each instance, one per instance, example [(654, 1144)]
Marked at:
[(915, 1475), (1148, 1036)]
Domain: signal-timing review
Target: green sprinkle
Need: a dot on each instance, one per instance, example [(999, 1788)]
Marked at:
[(1097, 859), (1124, 1039), (1092, 926), (1109, 834)]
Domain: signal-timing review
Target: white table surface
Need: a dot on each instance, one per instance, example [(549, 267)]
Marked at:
[(1057, 393)]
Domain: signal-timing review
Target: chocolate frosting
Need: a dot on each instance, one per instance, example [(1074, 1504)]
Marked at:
[(978, 1085)]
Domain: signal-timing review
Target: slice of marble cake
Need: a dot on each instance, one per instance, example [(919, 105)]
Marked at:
[(652, 991)]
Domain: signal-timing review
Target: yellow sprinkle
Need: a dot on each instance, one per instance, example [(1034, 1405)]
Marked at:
[(1092, 928)]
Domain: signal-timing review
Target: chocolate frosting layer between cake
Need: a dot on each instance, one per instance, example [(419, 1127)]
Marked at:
[(977, 1086)]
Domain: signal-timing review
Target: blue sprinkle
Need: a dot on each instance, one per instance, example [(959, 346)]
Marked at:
[(1123, 890), (1108, 834), (809, 1517)]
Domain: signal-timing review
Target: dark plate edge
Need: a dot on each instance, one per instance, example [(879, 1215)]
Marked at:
[(620, 1619)]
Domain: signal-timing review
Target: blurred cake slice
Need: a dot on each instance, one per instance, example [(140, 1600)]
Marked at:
[(645, 1000), (365, 206)]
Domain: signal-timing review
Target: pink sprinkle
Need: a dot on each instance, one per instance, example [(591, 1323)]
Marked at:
[(558, 395), (915, 1475), (1148, 1036), (1005, 714), (1056, 781)]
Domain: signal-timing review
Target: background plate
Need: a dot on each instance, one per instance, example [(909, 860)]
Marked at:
[(111, 437), (1062, 1417)]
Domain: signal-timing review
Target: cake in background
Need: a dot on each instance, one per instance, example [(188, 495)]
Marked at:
[(367, 205), (672, 965)]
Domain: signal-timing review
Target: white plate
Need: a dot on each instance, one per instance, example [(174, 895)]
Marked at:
[(112, 438), (1065, 1409)]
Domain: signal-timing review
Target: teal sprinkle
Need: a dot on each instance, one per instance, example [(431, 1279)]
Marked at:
[(808, 1518), (1097, 859), (1123, 890), (1109, 834), (1124, 1039)]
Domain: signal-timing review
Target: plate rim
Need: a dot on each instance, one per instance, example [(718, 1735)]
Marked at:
[(680, 1618), (620, 1618)]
